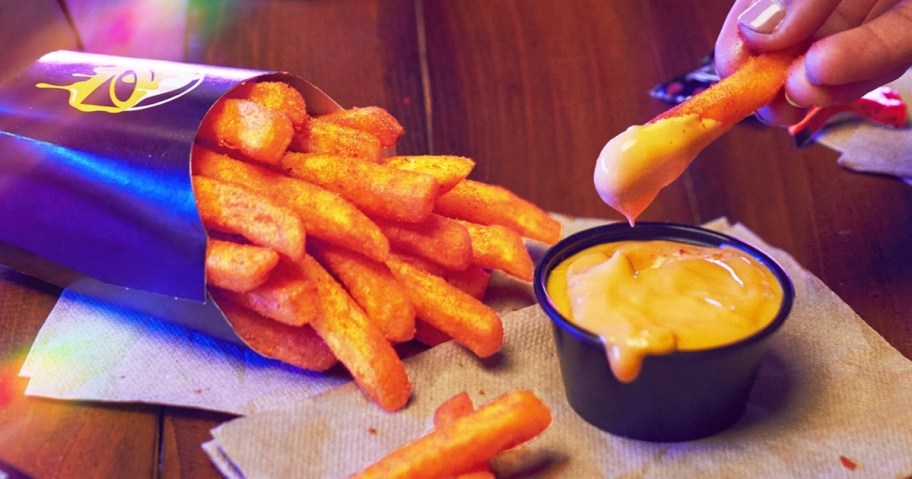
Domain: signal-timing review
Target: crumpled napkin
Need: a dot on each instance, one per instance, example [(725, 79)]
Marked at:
[(92, 350), (831, 400), (870, 148)]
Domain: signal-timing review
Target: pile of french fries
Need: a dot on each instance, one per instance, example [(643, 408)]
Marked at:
[(322, 250)]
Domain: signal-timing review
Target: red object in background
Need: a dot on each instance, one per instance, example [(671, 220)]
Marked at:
[(848, 463), (883, 106)]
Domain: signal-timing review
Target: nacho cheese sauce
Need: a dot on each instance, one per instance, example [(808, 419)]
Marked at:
[(635, 165), (655, 297)]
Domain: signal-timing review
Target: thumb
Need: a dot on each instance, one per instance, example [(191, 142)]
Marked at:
[(769, 25)]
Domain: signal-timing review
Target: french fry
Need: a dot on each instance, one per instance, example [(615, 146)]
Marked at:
[(233, 209), (356, 342), (448, 170), (468, 321), (257, 132), (325, 214), (378, 190), (371, 119), (468, 442), (287, 297), (324, 137), (491, 204), (438, 239), (473, 280), (450, 411), (279, 97), (425, 265), (296, 345), (754, 84), (372, 286), (636, 164), (498, 247), (238, 267)]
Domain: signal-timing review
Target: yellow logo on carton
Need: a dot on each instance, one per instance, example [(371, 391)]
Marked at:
[(128, 89)]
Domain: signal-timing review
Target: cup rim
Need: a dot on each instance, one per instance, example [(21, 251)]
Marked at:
[(657, 230)]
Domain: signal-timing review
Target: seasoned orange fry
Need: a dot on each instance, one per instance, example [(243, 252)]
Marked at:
[(358, 343), (635, 165), (324, 214), (448, 170), (232, 209), (490, 204), (470, 322), (372, 286), (498, 247), (287, 297), (441, 240), (257, 132), (429, 335), (456, 407), (277, 96), (371, 119), (423, 264), (466, 443), (296, 345), (472, 280), (327, 138), (376, 189), (737, 96), (238, 267)]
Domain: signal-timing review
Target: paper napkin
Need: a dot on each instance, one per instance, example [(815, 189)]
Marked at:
[(831, 400), (870, 148)]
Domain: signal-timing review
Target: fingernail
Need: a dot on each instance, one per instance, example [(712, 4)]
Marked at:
[(792, 101), (763, 16)]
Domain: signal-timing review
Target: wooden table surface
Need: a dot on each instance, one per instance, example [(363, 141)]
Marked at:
[(529, 89)]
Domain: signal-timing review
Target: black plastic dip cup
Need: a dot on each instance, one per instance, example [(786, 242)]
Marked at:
[(680, 396)]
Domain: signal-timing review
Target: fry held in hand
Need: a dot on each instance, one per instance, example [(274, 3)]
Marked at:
[(232, 209), (468, 442), (635, 165)]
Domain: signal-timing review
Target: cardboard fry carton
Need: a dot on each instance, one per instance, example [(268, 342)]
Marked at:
[(95, 190)]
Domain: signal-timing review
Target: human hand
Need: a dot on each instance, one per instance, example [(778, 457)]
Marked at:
[(853, 47)]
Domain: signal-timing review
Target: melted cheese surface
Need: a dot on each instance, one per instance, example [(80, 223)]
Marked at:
[(655, 297)]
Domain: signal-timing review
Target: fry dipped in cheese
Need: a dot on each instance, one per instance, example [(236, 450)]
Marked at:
[(635, 165)]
